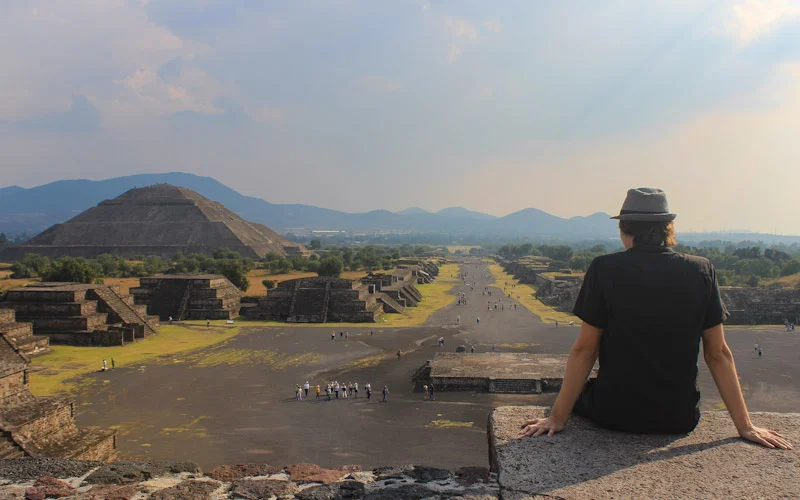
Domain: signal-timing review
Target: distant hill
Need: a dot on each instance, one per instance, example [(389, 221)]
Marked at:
[(464, 213), (413, 211), (34, 210)]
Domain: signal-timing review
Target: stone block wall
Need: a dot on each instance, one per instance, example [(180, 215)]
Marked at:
[(759, 306)]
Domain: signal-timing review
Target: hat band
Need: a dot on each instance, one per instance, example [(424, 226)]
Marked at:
[(630, 212)]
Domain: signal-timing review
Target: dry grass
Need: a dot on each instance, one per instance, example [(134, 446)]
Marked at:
[(791, 281), (125, 284), (527, 297), (9, 283)]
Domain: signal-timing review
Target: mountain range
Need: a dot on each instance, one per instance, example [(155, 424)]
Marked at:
[(30, 211)]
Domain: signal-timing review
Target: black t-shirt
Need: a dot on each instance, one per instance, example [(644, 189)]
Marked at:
[(652, 305)]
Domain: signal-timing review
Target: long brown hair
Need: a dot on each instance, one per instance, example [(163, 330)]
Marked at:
[(650, 233)]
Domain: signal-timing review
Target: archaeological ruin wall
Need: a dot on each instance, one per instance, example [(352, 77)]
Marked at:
[(188, 296)]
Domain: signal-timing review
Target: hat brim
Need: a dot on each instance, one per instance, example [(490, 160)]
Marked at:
[(646, 217)]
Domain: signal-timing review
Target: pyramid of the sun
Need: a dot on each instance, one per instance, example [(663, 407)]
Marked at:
[(155, 220)]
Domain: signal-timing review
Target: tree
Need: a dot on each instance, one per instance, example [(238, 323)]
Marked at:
[(31, 266), (67, 269), (315, 245), (268, 284), (331, 265), (235, 272), (791, 267)]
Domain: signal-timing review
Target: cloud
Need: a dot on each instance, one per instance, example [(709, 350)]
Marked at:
[(81, 117), (453, 53), (378, 84), (753, 19), (461, 28), (493, 26), (190, 90)]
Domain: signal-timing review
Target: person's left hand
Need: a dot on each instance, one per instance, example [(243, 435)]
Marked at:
[(539, 426)]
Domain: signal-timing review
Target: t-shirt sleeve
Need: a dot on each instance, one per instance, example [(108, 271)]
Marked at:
[(591, 304), (716, 312)]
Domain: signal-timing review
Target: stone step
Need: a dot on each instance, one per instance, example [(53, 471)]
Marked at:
[(8, 448), (586, 461), (31, 345), (16, 329)]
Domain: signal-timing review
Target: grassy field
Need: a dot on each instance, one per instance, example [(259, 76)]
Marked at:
[(527, 297), (791, 281), (56, 372)]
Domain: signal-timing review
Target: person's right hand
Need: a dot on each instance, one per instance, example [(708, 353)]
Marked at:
[(766, 437)]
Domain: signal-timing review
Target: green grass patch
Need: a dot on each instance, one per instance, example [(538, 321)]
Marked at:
[(449, 424), (59, 371), (527, 297)]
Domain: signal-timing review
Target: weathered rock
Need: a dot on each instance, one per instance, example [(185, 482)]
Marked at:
[(405, 492), (425, 474), (49, 487), (110, 492), (310, 473), (230, 473), (127, 472), (254, 489), (336, 491), (466, 476), (588, 461), (350, 468), (461, 348), (192, 489), (362, 477), (383, 473)]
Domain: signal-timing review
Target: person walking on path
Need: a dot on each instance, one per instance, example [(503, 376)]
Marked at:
[(333, 335), (336, 389), (398, 355), (298, 392), (385, 394), (478, 320), (639, 310), (472, 349), (432, 393), (306, 386), (318, 391), (369, 391), (208, 323), (113, 364), (105, 366), (328, 391), (458, 319), (425, 392), (759, 352)]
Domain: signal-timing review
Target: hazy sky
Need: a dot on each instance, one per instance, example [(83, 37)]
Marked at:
[(357, 105)]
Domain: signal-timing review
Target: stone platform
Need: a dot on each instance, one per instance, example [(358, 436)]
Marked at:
[(497, 372), (586, 461)]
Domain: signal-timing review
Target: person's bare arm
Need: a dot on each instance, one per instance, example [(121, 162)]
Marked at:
[(579, 364), (720, 362)]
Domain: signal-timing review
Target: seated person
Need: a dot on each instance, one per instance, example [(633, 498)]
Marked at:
[(644, 312)]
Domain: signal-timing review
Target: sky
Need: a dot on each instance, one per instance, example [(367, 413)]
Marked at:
[(361, 105)]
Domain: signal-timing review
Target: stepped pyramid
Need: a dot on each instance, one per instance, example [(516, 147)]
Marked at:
[(42, 427), (155, 220)]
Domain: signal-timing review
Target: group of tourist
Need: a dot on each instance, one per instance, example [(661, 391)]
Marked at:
[(337, 390), (345, 335), (105, 365)]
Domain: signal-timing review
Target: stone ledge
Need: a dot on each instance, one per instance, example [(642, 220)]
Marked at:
[(586, 461)]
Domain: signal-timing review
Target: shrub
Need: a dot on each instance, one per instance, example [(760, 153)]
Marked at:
[(331, 265)]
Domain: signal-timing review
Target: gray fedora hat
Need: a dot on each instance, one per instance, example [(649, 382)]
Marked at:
[(645, 204)]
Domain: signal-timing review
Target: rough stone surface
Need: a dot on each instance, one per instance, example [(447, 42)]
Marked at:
[(33, 468), (228, 473), (310, 473), (126, 472), (191, 489), (179, 481), (336, 491), (253, 489), (586, 461)]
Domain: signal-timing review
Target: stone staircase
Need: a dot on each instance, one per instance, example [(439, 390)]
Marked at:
[(120, 308), (515, 386), (20, 335), (389, 304), (326, 302)]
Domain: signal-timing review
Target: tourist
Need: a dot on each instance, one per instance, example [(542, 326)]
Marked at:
[(472, 349), (639, 309), (344, 391), (368, 388), (341, 334), (458, 319), (336, 389), (113, 364), (385, 394), (492, 347), (432, 393), (105, 366), (333, 335), (298, 392), (170, 320), (759, 352), (478, 319), (441, 341), (398, 355), (306, 386), (755, 347), (556, 323), (425, 392), (371, 333), (346, 335), (318, 391), (355, 389), (328, 391)]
